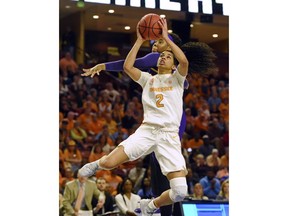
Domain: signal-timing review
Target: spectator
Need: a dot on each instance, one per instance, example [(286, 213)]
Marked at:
[(136, 175), (106, 143), (72, 156), (200, 167), (105, 202), (68, 65), (222, 173), (126, 200), (96, 153), (195, 142), (95, 126), (70, 120), (105, 106), (198, 193), (85, 119), (78, 133), (224, 192), (206, 148), (145, 191), (68, 176), (109, 121), (78, 196), (192, 178), (224, 160), (224, 109), (213, 160), (111, 92), (201, 123), (90, 103), (128, 120), (190, 121), (211, 185), (214, 100), (114, 180), (120, 132), (118, 111), (214, 130)]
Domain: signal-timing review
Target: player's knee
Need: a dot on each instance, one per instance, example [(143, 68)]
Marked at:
[(178, 189)]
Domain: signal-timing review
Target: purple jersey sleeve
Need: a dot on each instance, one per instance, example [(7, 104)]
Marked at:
[(182, 125), (146, 62)]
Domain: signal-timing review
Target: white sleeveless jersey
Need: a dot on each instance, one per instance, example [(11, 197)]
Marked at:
[(162, 99)]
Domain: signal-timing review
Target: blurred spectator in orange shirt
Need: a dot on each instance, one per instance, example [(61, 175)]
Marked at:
[(67, 64), (224, 93), (95, 125), (195, 142), (70, 120), (90, 103), (117, 112), (191, 96), (85, 119), (72, 156), (96, 153), (201, 123), (109, 121), (113, 180), (224, 160), (224, 105)]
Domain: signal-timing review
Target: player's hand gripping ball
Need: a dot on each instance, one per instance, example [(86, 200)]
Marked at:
[(149, 27)]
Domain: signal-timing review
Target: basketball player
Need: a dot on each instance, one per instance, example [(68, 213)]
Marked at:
[(162, 103), (159, 182)]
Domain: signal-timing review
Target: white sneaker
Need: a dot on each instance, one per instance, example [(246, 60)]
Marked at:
[(145, 210), (88, 169)]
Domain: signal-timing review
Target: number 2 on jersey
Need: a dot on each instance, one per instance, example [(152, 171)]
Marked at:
[(159, 98)]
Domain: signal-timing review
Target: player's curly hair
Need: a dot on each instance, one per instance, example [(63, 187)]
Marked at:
[(176, 39), (201, 58)]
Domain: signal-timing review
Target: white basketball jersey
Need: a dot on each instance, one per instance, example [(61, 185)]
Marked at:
[(162, 99)]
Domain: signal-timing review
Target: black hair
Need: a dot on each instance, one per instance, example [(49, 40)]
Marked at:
[(176, 39), (201, 58), (120, 187)]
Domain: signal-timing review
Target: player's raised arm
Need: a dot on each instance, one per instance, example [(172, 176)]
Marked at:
[(94, 70), (179, 55), (128, 66)]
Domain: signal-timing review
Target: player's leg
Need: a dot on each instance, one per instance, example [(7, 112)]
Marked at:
[(132, 148), (177, 193), (159, 183), (107, 162)]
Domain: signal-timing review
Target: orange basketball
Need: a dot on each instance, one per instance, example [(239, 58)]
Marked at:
[(149, 27)]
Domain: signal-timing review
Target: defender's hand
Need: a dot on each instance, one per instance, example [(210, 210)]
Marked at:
[(94, 70)]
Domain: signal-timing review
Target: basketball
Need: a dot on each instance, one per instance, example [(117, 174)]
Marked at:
[(149, 27)]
